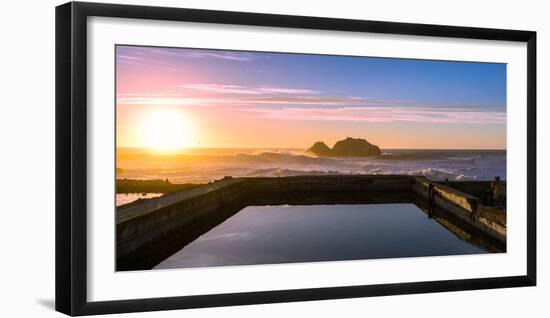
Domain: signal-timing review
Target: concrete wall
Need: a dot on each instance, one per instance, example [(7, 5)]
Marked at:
[(149, 232), (140, 228), (331, 183), (491, 193), (488, 220)]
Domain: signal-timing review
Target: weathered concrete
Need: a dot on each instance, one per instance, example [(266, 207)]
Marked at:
[(492, 193), (149, 232), (140, 227), (489, 220)]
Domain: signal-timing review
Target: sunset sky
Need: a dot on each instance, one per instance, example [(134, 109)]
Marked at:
[(178, 98)]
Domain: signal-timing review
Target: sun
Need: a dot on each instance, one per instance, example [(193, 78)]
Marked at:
[(166, 130)]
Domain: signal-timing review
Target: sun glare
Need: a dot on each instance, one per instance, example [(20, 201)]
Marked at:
[(166, 130)]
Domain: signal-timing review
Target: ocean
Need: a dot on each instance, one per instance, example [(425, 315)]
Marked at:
[(205, 165)]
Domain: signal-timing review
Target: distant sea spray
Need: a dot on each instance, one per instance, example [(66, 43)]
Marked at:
[(204, 165)]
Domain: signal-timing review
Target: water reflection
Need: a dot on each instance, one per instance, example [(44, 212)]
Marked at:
[(295, 233), (125, 198)]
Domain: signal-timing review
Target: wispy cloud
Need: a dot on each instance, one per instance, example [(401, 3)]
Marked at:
[(300, 100), (329, 108), (286, 90), (154, 54), (194, 53), (243, 99), (247, 90), (128, 57), (220, 89), (385, 114), (243, 57), (155, 100)]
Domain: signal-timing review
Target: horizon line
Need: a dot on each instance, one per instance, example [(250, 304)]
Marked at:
[(299, 148)]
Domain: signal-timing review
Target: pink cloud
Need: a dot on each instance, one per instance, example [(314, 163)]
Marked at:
[(218, 88), (385, 114), (224, 56), (299, 100), (342, 108), (246, 90), (182, 99), (285, 90), (151, 99), (152, 54)]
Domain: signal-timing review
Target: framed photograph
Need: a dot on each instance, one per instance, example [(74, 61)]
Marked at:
[(209, 158)]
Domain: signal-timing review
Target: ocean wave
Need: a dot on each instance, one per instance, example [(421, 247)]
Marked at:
[(283, 172), (434, 164), (442, 155), (430, 173), (274, 157), (439, 174), (411, 157)]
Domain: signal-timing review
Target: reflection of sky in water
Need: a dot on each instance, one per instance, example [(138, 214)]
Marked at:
[(125, 198), (283, 234)]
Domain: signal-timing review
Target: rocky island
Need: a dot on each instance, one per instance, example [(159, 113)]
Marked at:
[(349, 147)]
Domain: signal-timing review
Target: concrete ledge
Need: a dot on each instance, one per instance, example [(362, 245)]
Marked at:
[(149, 232), (489, 220)]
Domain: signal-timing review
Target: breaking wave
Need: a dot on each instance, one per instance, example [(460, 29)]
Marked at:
[(434, 164)]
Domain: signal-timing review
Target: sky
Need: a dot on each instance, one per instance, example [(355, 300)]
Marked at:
[(177, 97)]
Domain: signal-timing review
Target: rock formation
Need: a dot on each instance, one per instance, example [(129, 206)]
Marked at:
[(320, 149), (349, 147)]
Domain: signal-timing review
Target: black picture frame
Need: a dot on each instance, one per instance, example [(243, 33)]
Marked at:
[(71, 157)]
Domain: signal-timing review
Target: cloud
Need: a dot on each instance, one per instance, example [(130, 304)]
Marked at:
[(242, 57), (288, 103), (286, 90), (385, 114), (128, 57), (248, 90), (152, 99), (171, 99), (154, 54), (251, 99), (299, 100), (219, 88), (329, 109), (139, 60)]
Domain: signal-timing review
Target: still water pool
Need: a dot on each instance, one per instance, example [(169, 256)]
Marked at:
[(287, 234), (125, 198)]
